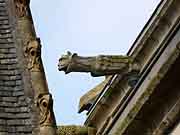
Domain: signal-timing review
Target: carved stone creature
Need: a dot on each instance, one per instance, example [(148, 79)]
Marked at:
[(33, 54), (21, 7), (98, 66), (45, 105)]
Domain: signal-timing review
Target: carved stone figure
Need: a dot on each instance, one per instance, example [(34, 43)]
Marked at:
[(98, 66), (45, 104), (33, 54), (21, 7)]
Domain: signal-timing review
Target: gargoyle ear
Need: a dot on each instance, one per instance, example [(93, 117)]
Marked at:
[(69, 53)]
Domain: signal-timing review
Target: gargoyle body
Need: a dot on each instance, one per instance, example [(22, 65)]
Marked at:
[(100, 65)]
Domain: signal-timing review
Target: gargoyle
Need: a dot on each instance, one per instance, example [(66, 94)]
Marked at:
[(100, 65)]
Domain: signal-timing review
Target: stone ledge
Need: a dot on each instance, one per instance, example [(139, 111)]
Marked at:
[(76, 130)]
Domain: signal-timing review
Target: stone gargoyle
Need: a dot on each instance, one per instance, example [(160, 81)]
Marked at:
[(100, 65)]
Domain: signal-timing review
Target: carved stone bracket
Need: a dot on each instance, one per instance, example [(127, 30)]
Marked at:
[(45, 104), (33, 53), (21, 7)]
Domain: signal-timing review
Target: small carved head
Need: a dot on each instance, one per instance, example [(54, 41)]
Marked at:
[(45, 105), (64, 61), (33, 53)]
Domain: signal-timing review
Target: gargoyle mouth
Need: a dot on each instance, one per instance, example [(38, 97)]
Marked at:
[(62, 67)]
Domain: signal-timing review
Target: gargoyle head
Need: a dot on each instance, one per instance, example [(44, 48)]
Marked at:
[(65, 61)]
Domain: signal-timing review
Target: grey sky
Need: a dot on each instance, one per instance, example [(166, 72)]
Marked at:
[(87, 27)]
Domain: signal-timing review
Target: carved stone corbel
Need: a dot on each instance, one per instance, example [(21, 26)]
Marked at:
[(33, 53), (45, 104), (21, 7)]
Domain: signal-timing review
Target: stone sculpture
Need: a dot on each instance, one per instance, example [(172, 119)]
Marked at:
[(33, 52), (100, 65), (45, 104)]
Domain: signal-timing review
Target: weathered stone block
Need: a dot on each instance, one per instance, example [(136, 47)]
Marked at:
[(19, 122), (9, 99), (5, 31), (7, 56), (5, 36), (23, 115)]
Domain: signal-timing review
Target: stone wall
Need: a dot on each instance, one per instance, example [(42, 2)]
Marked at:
[(15, 107)]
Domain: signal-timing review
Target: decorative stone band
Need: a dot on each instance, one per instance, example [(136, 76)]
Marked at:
[(46, 123), (76, 130)]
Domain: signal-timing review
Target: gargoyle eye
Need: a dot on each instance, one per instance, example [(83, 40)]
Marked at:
[(60, 59)]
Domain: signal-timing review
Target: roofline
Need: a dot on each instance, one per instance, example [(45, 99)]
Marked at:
[(134, 49), (134, 45)]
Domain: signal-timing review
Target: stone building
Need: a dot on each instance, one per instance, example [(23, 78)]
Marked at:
[(145, 102), (140, 95), (25, 101)]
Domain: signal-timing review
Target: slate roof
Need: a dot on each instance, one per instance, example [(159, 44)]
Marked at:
[(15, 115)]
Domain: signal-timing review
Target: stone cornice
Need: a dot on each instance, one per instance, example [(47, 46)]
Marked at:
[(144, 90), (154, 36), (76, 130), (170, 121), (149, 27)]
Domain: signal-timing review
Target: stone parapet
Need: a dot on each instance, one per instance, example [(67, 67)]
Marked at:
[(76, 130)]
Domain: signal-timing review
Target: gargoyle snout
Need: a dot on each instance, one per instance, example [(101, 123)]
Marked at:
[(59, 65)]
